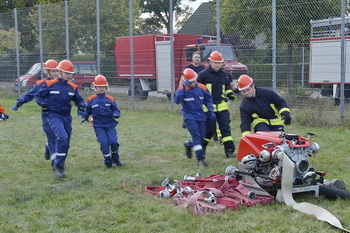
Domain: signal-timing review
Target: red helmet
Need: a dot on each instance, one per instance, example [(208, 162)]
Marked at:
[(50, 65), (216, 57), (244, 82), (189, 74), (66, 66), (100, 81)]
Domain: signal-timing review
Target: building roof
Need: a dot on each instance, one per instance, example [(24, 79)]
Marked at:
[(201, 22)]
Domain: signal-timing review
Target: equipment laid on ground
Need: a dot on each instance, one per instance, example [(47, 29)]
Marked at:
[(268, 162), (260, 156)]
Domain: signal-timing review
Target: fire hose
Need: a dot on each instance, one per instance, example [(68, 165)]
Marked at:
[(286, 196)]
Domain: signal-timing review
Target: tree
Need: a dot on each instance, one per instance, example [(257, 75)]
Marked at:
[(293, 18), (253, 17), (7, 43), (159, 12), (114, 21)]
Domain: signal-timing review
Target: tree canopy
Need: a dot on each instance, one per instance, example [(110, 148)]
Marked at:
[(159, 12), (252, 17), (114, 21)]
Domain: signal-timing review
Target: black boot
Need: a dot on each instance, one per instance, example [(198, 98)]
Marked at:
[(59, 171), (202, 163), (229, 149), (47, 152), (204, 146), (116, 160), (188, 150)]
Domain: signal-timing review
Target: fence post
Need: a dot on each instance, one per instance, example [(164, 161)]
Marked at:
[(98, 36), (41, 42), (274, 82), (302, 65), (172, 78), (67, 28), (218, 39), (131, 29), (19, 83), (343, 62)]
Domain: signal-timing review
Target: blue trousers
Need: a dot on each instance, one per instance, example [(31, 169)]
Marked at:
[(108, 139), (50, 134), (197, 131), (62, 127)]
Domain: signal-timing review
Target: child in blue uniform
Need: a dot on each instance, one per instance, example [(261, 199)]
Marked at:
[(104, 111), (3, 115), (51, 71), (55, 98), (193, 96)]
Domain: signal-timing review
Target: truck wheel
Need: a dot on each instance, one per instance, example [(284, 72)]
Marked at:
[(86, 87), (139, 93)]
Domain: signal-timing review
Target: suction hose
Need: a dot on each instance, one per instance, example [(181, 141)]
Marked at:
[(333, 193)]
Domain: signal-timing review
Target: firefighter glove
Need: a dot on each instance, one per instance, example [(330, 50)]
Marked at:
[(212, 116), (186, 82), (81, 111), (4, 116), (44, 108), (84, 119), (231, 96), (116, 114), (15, 107), (236, 91), (286, 117)]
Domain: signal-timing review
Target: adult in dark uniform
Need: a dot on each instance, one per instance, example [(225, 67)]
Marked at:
[(218, 85), (261, 109)]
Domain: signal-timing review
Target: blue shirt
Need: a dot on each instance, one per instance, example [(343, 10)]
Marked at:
[(103, 109), (58, 94), (192, 100), (30, 95)]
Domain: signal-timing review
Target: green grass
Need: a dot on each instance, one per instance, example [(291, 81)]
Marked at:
[(94, 199)]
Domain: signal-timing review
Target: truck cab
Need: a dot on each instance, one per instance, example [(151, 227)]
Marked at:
[(233, 68), (83, 77)]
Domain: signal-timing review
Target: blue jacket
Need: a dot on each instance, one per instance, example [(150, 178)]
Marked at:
[(103, 109), (30, 95), (196, 69), (58, 94), (192, 100), (265, 107)]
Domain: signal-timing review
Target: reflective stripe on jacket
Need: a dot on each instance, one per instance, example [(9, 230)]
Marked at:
[(265, 107), (218, 86)]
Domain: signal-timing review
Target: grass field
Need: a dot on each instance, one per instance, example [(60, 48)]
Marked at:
[(94, 199)]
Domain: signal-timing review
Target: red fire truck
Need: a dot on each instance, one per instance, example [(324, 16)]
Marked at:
[(152, 60)]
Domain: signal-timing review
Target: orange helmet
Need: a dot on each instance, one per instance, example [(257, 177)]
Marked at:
[(244, 82), (216, 57), (100, 81), (50, 65), (66, 66), (189, 74)]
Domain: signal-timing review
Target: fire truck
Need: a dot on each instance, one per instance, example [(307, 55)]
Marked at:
[(152, 60), (325, 56)]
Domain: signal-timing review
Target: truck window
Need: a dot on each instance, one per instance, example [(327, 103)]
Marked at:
[(226, 51), (35, 69), (189, 52), (85, 68)]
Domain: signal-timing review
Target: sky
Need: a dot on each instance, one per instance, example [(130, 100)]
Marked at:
[(195, 4)]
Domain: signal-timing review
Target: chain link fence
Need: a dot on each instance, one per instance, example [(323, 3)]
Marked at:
[(85, 30)]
